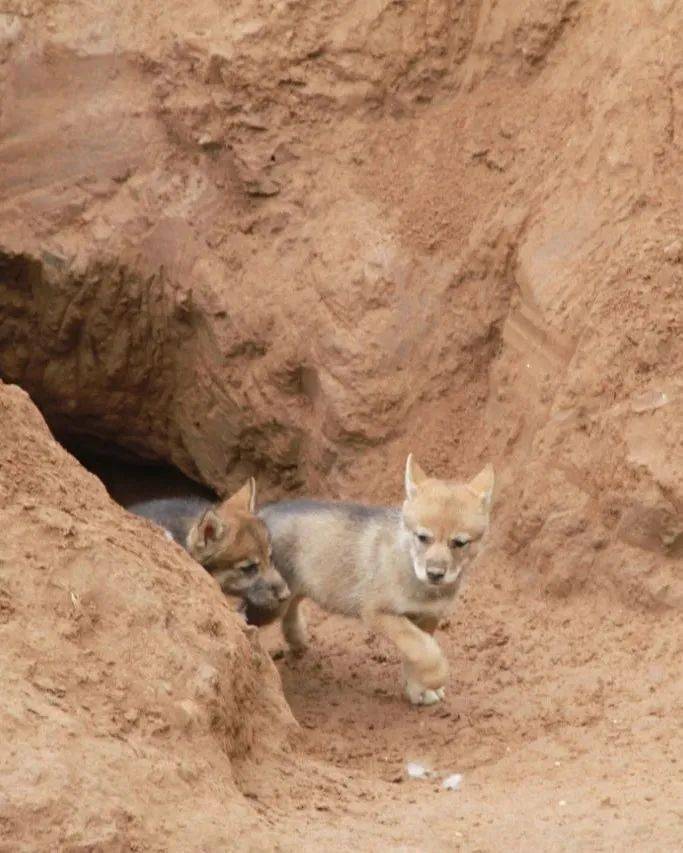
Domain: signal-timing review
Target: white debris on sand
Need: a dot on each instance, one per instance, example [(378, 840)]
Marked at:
[(417, 771), (452, 782)]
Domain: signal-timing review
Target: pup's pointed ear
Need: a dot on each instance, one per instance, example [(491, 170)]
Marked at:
[(482, 486), (210, 527), (205, 532), (245, 498), (415, 476)]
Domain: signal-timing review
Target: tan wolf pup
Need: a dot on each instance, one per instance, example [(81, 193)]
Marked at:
[(398, 570), (228, 539)]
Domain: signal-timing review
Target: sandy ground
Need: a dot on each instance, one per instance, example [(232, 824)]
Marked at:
[(563, 716), (564, 721)]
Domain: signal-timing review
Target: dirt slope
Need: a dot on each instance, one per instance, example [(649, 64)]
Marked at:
[(126, 678)]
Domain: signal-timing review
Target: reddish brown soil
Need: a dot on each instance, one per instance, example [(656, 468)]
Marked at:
[(299, 240), (136, 718), (565, 722)]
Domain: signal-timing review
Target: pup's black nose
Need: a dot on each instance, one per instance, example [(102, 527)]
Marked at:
[(435, 575)]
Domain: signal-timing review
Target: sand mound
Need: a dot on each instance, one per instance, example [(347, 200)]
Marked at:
[(130, 691)]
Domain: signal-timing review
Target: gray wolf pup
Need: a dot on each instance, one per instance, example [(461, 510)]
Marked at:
[(398, 570), (228, 539)]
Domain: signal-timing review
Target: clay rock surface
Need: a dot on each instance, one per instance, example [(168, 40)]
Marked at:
[(131, 694), (302, 239)]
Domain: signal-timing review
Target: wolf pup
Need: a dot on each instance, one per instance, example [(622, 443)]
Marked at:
[(396, 569), (228, 539)]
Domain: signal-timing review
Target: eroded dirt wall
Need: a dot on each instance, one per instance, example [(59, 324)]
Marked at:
[(304, 239)]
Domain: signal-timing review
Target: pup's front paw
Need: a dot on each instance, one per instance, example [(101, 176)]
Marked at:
[(420, 695)]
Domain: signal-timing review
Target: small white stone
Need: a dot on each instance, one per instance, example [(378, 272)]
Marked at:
[(416, 771), (562, 803), (452, 782)]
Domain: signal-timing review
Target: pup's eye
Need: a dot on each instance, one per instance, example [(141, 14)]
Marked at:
[(423, 537), (250, 569), (459, 542)]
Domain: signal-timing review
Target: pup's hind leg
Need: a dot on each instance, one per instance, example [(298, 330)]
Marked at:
[(294, 625)]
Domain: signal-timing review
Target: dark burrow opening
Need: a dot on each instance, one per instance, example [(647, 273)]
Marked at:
[(160, 492), (127, 477)]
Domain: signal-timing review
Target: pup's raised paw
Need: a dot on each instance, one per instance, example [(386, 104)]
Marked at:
[(419, 695)]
